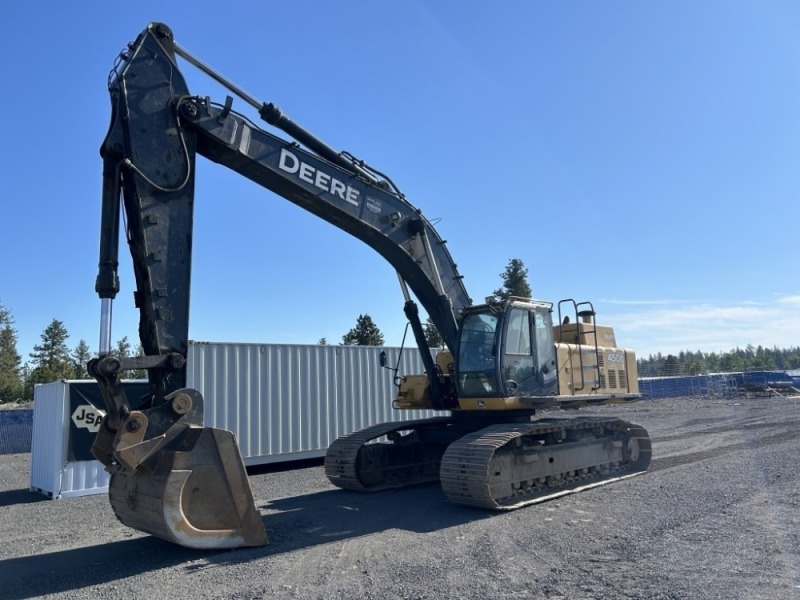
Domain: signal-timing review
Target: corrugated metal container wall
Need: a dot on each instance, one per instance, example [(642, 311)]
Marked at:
[(51, 472), (84, 477), (292, 401), (49, 437)]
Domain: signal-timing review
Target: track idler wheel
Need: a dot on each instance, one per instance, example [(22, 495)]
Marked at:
[(193, 492), (639, 449)]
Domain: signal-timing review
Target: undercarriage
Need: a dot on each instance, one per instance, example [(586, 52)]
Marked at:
[(501, 466)]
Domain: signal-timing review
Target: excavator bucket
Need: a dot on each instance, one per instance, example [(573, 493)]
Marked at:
[(194, 492), (172, 477)]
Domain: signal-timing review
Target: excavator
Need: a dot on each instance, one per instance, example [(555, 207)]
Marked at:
[(503, 361)]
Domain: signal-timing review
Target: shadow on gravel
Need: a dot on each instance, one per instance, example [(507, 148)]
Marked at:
[(11, 497), (292, 523), (288, 465), (77, 568), (334, 515)]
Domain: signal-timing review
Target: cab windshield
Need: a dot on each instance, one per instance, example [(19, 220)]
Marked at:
[(477, 355)]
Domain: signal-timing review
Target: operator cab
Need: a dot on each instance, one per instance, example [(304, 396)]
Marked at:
[(507, 350)]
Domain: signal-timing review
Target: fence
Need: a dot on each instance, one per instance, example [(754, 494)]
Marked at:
[(759, 383), (16, 430)]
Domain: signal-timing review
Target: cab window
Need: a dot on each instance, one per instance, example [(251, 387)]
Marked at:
[(477, 363), (518, 363)]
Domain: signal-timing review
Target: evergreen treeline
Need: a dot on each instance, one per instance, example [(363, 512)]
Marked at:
[(752, 358), (52, 359)]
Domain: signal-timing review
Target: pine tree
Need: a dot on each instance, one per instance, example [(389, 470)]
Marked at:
[(10, 360), (51, 359), (27, 383), (137, 373), (123, 349), (432, 335), (515, 281), (81, 355), (365, 333)]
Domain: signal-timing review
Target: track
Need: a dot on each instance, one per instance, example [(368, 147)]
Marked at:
[(506, 467), (361, 463), (501, 467)]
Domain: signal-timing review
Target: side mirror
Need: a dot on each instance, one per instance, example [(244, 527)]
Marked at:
[(383, 358)]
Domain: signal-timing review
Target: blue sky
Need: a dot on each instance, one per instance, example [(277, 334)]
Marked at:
[(641, 155)]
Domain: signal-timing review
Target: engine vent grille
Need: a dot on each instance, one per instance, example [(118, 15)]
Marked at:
[(612, 378)]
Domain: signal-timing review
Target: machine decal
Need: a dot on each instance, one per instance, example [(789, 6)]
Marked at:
[(305, 172), (88, 417)]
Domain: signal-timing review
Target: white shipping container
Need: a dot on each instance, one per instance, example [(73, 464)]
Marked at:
[(287, 402), (51, 471), (283, 402)]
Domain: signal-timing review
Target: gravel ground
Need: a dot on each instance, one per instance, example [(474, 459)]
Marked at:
[(716, 516)]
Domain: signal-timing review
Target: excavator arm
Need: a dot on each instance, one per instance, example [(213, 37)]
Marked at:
[(162, 460)]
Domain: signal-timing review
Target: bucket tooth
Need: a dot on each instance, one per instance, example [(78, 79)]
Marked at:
[(194, 492)]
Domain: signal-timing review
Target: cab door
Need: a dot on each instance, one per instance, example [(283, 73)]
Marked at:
[(528, 354)]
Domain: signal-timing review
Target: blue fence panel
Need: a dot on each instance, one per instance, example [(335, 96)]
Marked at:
[(767, 379), (673, 387), (719, 384), (16, 430)]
